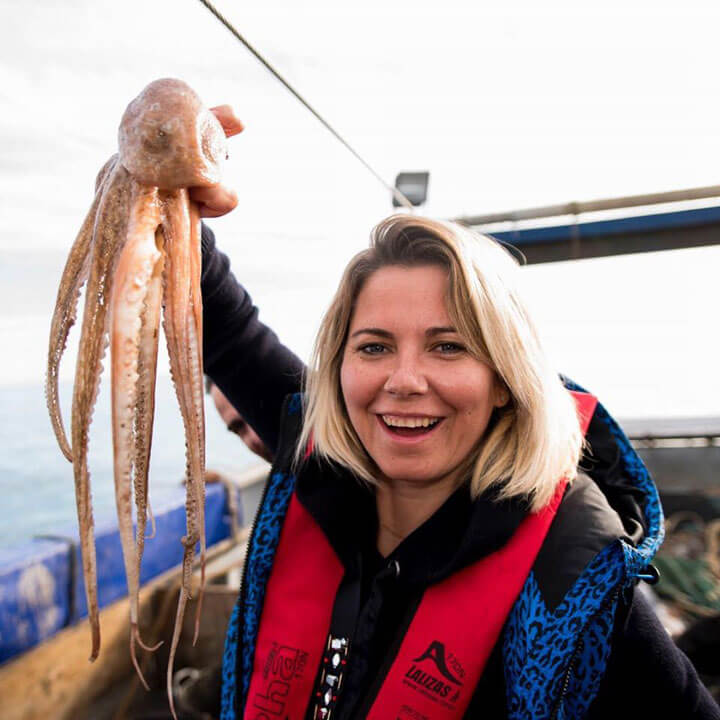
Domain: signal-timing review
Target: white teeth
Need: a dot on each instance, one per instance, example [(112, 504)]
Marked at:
[(409, 422)]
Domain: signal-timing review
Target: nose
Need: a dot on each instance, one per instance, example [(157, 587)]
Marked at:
[(406, 377)]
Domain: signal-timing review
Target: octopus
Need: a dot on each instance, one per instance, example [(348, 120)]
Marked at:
[(138, 251)]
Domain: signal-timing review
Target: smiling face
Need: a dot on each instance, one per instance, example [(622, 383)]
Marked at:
[(418, 401)]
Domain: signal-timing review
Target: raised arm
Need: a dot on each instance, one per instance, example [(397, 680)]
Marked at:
[(243, 357)]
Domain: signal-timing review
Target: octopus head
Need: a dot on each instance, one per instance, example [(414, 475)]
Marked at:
[(169, 139)]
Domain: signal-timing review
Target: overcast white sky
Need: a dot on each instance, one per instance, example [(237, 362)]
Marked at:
[(508, 104)]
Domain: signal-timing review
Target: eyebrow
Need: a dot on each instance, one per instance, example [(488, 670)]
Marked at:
[(430, 332)]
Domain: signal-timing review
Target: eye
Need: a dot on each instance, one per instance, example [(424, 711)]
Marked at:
[(372, 349), (449, 348), (156, 142)]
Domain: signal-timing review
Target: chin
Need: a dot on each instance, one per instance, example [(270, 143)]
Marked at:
[(408, 473)]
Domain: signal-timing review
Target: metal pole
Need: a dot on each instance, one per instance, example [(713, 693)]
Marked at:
[(576, 208)]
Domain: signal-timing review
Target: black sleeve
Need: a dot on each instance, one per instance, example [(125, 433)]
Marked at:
[(647, 674), (241, 355)]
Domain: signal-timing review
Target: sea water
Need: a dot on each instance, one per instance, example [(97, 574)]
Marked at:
[(36, 480)]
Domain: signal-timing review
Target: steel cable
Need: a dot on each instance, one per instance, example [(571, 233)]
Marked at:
[(396, 193)]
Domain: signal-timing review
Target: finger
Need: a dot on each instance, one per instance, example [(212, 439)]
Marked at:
[(214, 201), (231, 123)]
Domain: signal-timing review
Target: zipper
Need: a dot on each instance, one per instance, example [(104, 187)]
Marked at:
[(609, 600), (251, 536)]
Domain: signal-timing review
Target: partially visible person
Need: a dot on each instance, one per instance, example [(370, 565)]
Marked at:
[(236, 424)]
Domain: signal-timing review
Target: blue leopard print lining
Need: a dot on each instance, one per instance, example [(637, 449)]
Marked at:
[(593, 656), (538, 645), (261, 553), (229, 666)]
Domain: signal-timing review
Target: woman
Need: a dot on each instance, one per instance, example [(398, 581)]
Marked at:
[(426, 547)]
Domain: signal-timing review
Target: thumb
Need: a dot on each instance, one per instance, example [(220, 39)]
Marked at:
[(231, 123)]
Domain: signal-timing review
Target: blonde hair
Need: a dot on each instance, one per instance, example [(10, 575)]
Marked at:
[(532, 442)]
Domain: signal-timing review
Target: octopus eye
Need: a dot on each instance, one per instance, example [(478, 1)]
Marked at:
[(227, 156), (157, 141)]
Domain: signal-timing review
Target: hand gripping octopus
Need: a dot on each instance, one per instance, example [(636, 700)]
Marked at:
[(139, 250)]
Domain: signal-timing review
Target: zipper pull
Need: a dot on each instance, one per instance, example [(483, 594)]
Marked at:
[(651, 575)]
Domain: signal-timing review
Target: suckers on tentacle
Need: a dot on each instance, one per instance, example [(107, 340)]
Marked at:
[(147, 367), (196, 375), (182, 332), (77, 269), (136, 269), (109, 237)]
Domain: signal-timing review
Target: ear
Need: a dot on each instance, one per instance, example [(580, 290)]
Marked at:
[(501, 393)]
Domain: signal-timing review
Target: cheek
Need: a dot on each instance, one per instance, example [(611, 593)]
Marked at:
[(346, 381), (471, 391), (359, 384), (349, 385)]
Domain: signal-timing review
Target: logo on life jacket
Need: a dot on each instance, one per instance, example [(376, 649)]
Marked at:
[(283, 666), (428, 682)]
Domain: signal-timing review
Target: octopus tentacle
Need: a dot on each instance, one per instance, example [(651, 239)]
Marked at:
[(145, 410), (151, 518), (137, 267), (108, 240), (176, 230), (75, 274), (195, 358), (177, 629), (182, 337), (147, 366)]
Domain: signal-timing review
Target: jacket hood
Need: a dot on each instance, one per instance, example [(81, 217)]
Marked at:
[(613, 501)]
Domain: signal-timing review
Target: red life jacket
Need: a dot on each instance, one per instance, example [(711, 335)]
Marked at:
[(443, 653)]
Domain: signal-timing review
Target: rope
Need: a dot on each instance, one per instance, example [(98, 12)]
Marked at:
[(689, 564), (396, 193), (712, 540)]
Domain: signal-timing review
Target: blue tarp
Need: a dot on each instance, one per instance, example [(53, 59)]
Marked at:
[(41, 582)]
